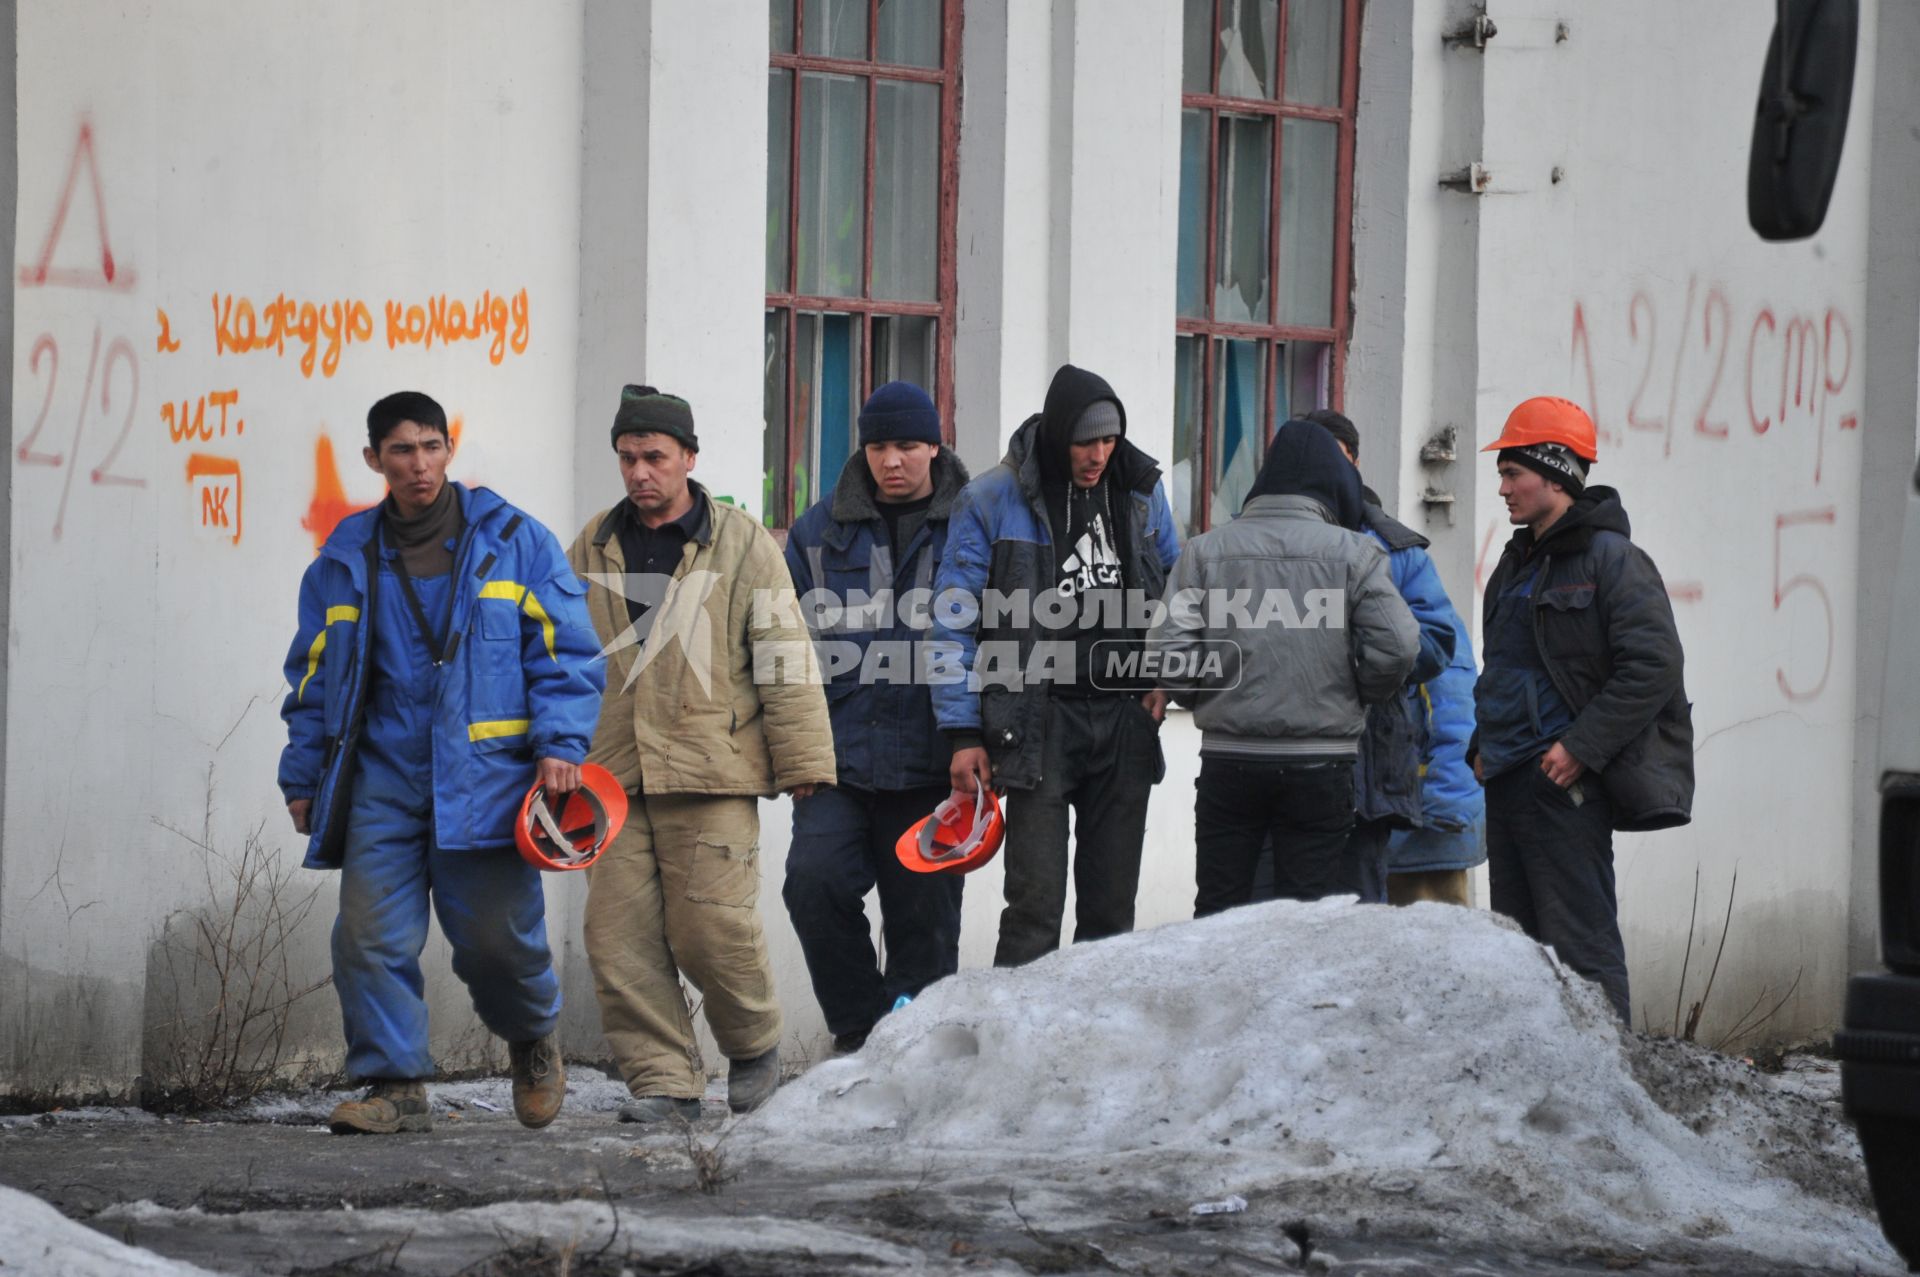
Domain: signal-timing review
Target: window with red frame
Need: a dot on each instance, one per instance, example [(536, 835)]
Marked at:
[(1266, 124), (862, 140)]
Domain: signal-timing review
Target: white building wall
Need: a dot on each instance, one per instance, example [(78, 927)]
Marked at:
[(1726, 376), (354, 153)]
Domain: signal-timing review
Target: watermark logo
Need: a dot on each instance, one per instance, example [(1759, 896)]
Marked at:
[(670, 611), (1127, 665)]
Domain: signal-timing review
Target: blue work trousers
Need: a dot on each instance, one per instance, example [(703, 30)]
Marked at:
[(491, 908)]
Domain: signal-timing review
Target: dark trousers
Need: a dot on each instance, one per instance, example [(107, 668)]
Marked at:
[(1365, 863), (1101, 759), (1305, 809), (1550, 867), (842, 849)]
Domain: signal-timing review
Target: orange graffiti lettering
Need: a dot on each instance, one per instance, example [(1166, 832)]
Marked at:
[(166, 343), (214, 473), (320, 329), (448, 320), (188, 419)]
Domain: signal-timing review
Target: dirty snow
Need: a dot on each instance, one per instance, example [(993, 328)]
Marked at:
[(578, 1225), (1414, 1072), (588, 1091), (35, 1238)]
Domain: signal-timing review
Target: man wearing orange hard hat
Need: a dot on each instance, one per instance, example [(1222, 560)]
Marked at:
[(1582, 724)]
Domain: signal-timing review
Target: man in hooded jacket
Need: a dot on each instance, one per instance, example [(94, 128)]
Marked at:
[(1052, 558), (1583, 723), (1325, 636)]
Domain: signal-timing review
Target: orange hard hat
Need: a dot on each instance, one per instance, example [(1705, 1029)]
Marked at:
[(1547, 419), (957, 838), (585, 825)]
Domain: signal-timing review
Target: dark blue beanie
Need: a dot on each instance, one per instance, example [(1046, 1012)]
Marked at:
[(899, 410)]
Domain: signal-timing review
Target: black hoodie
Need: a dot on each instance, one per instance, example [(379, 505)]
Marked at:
[(1089, 525), (1305, 460)]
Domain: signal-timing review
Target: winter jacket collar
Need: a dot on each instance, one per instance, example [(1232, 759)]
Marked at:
[(853, 502), (701, 533), (1287, 505), (1131, 469), (1597, 510), (1397, 535), (351, 536)]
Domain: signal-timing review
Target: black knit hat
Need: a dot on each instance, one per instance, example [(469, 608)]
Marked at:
[(644, 410), (1554, 462)]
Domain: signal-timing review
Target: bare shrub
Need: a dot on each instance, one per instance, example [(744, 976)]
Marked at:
[(224, 978)]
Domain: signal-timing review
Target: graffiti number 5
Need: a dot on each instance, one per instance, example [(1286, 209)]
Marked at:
[(1781, 589)]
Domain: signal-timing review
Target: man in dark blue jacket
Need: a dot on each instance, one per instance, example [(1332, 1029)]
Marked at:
[(443, 663), (1387, 788), (1583, 721), (863, 562), (1073, 534)]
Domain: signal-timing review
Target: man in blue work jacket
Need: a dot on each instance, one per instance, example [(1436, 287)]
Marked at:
[(858, 558), (444, 661)]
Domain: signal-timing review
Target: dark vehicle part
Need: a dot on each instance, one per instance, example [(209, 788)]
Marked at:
[(1800, 125)]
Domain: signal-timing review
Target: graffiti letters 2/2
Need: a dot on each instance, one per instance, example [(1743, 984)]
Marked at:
[(1785, 371)]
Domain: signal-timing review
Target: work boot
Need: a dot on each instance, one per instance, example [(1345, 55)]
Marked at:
[(751, 1083), (539, 1080), (390, 1106), (850, 1043), (660, 1108)]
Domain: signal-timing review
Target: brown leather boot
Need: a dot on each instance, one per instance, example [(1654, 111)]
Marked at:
[(539, 1080), (391, 1106)]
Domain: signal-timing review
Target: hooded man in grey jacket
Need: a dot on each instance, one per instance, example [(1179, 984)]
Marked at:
[(1281, 628)]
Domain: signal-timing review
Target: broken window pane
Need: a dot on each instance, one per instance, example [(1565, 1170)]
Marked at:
[(1243, 202), (1239, 400), (1247, 31)]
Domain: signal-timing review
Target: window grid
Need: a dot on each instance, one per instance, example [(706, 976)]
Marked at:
[(1274, 334), (788, 305)]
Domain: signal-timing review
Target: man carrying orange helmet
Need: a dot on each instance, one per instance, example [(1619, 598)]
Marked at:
[(1582, 720)]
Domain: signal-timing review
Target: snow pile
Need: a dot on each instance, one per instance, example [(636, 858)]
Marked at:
[(36, 1238), (1426, 1071)]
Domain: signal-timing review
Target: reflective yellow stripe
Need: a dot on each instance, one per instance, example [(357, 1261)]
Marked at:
[(521, 597), (498, 727), (343, 612), (538, 613), (313, 663)]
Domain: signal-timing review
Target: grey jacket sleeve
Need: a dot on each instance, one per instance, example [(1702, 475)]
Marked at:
[(1380, 627), (1643, 648), (1180, 627)]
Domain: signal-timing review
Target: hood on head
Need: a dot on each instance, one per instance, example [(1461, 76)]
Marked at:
[(1305, 460), (1072, 391)]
